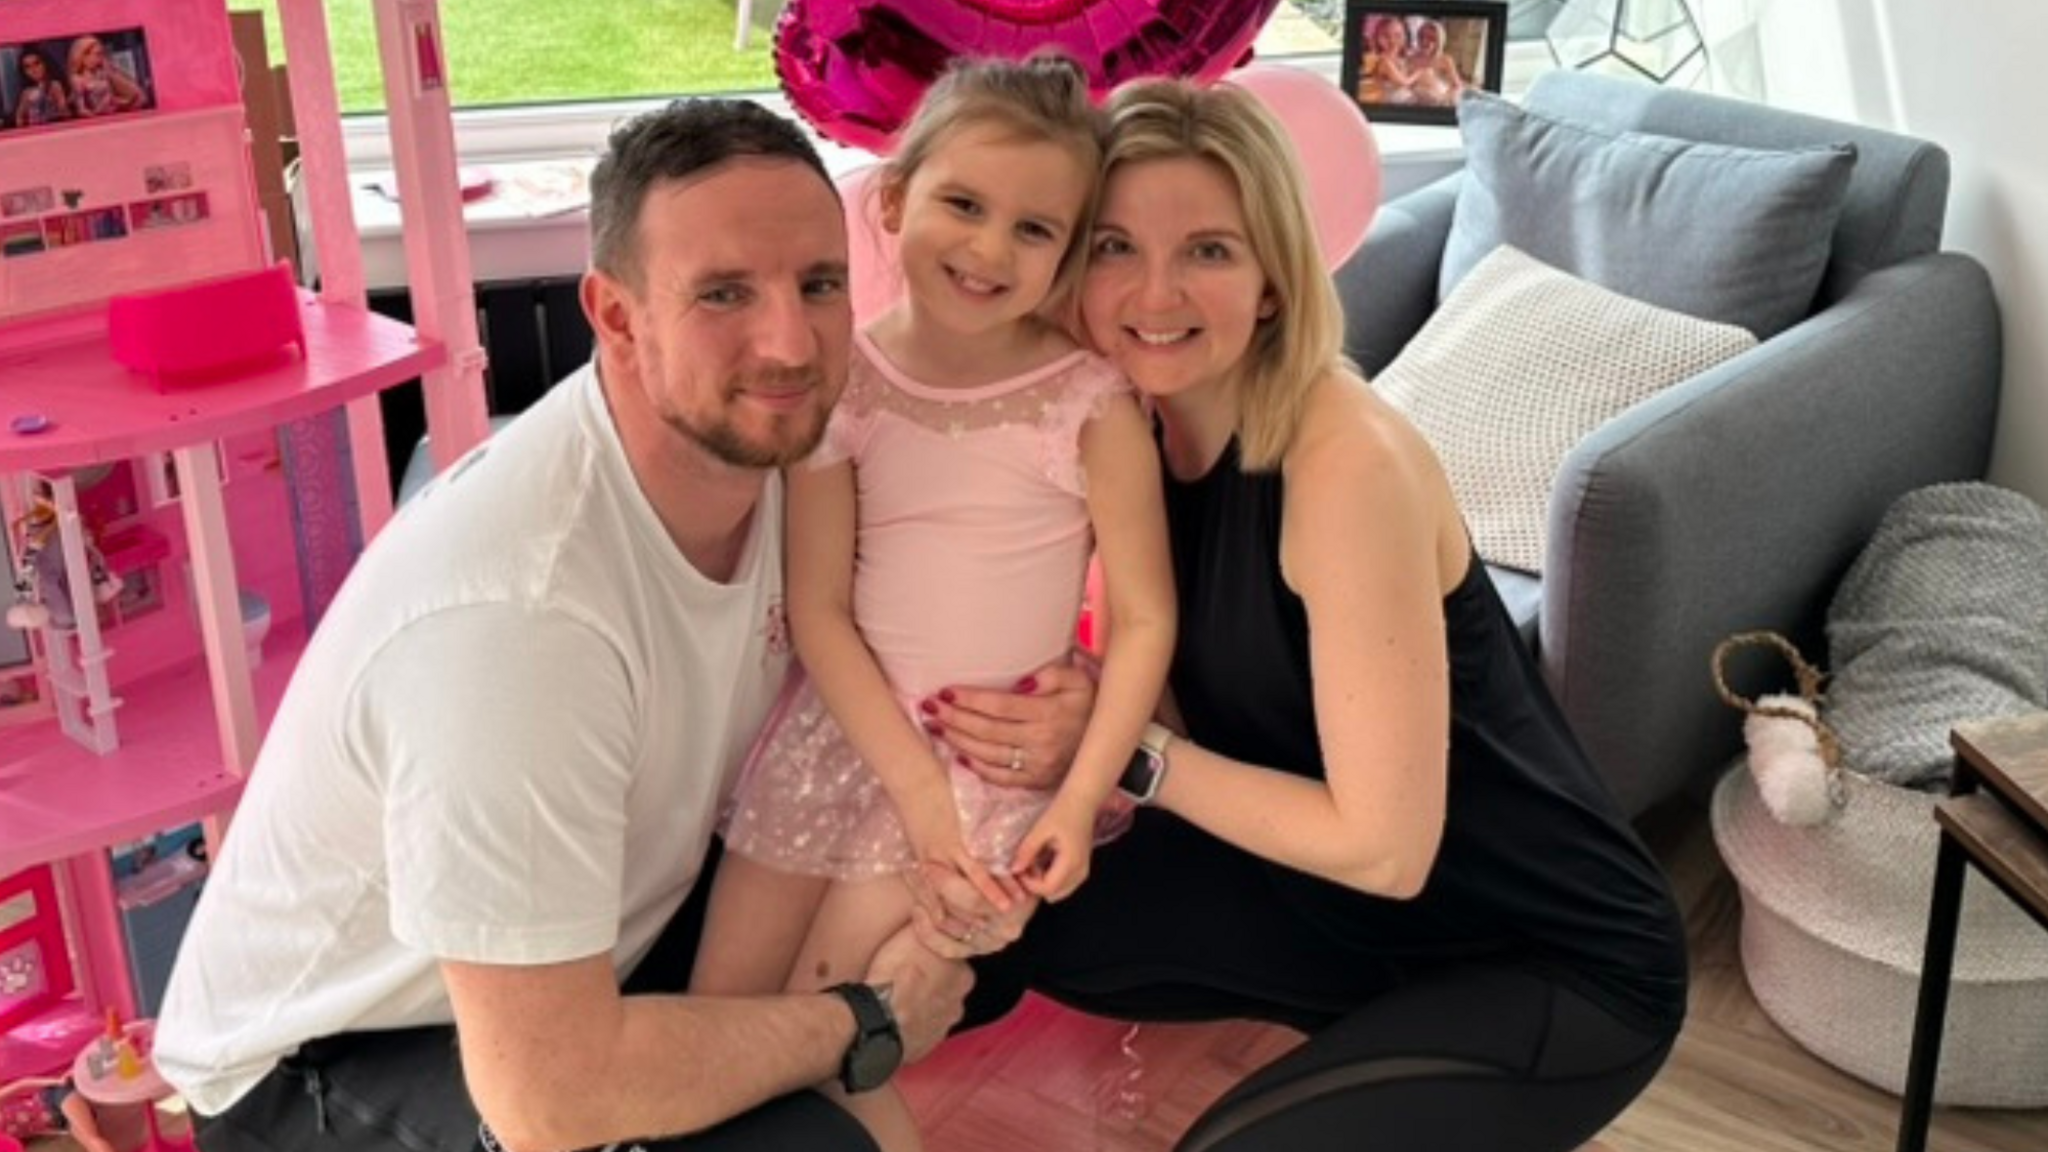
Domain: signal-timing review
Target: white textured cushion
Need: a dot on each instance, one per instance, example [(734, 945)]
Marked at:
[(1518, 365)]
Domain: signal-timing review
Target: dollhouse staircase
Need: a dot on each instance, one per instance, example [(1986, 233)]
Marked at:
[(77, 655)]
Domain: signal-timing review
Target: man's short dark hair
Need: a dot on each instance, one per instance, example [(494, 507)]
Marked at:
[(673, 143)]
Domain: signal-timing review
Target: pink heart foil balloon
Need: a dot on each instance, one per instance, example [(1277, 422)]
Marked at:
[(855, 69)]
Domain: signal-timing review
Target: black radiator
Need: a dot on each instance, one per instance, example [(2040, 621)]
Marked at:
[(533, 333)]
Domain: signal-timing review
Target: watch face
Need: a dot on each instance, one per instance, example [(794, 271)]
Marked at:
[(873, 1061), (1140, 777)]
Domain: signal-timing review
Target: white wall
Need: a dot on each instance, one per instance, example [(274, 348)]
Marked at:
[(1968, 77)]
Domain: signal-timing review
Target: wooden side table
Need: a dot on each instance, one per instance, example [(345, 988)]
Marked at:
[(1996, 818)]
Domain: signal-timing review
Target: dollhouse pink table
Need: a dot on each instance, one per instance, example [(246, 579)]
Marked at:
[(57, 798)]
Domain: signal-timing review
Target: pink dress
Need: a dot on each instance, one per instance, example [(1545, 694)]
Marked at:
[(971, 547)]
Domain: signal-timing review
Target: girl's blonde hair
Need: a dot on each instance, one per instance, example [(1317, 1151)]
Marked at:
[(1043, 98), (1303, 341)]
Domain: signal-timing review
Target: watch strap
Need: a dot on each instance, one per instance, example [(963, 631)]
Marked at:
[(873, 1022)]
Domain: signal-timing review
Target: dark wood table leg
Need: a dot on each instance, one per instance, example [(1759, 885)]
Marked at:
[(1943, 916)]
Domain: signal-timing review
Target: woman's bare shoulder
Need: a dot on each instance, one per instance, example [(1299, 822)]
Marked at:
[(1348, 431)]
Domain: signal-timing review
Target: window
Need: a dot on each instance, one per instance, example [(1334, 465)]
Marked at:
[(533, 52), (524, 52)]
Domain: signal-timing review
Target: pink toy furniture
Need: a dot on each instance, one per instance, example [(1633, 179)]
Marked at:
[(209, 329), (203, 301), (35, 969), (115, 1075)]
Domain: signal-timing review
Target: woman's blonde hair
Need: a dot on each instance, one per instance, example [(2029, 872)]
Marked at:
[(1303, 341), (1043, 98)]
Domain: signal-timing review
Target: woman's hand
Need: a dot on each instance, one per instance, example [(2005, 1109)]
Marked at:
[(1023, 737), (1052, 859)]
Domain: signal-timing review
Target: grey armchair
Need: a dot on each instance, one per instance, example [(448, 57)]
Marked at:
[(1736, 499)]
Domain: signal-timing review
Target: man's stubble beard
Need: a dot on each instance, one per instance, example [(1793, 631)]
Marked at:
[(724, 442)]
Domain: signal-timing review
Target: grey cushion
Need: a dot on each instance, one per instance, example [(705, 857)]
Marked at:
[(1733, 235), (1898, 193), (1522, 595)]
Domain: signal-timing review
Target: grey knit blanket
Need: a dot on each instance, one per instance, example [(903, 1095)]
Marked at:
[(1942, 618)]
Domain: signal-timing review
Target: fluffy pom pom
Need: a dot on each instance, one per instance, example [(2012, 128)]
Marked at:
[(1785, 758)]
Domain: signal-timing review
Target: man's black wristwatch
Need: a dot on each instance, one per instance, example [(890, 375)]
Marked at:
[(1147, 769), (877, 1048)]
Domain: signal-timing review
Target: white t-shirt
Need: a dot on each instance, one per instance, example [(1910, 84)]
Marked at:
[(507, 743)]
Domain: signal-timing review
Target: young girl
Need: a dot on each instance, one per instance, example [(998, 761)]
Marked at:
[(43, 98), (939, 537)]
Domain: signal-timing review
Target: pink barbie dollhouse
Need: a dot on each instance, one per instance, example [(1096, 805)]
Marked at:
[(177, 478)]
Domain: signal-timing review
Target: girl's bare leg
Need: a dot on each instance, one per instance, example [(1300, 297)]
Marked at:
[(852, 923), (757, 920)]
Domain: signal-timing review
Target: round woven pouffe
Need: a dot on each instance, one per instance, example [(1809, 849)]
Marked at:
[(1834, 928)]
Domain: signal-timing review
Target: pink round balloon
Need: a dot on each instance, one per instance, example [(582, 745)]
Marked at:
[(1336, 147), (855, 69), (875, 281)]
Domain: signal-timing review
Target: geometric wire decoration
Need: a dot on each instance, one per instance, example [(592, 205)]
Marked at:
[(1655, 39), (1530, 19)]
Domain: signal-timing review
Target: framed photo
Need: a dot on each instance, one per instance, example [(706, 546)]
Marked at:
[(75, 77), (1406, 63)]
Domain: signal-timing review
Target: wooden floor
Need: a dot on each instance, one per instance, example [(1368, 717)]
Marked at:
[(1051, 1079)]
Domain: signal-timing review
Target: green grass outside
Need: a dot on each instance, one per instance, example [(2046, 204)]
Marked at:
[(549, 51)]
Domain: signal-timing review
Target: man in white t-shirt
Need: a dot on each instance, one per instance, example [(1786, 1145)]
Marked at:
[(488, 796)]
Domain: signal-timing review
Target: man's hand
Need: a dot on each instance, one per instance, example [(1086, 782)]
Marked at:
[(1023, 737), (926, 991)]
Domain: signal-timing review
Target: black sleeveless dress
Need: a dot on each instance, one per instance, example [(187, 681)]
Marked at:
[(1537, 865)]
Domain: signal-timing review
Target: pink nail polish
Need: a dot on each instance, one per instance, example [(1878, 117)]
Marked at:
[(934, 729), (946, 694), (1028, 685), (928, 708)]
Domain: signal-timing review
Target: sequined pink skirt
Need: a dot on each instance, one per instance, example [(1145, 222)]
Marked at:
[(808, 803)]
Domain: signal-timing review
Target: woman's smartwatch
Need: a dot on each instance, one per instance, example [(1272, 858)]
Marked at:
[(877, 1048), (1147, 769)]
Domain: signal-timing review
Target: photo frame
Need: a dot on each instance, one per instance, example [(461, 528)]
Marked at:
[(1407, 63), (75, 78)]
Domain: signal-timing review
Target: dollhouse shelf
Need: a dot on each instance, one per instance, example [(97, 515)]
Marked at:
[(57, 798), (99, 411)]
